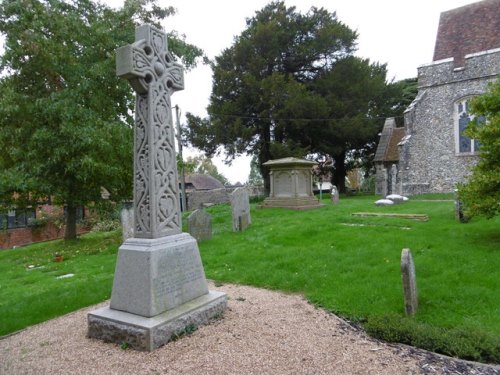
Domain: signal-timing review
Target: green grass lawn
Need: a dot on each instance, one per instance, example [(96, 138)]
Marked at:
[(346, 264), (30, 290)]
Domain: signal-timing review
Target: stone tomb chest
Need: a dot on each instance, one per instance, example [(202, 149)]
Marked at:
[(291, 184)]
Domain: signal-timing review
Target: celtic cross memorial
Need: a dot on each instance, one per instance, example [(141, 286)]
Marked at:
[(159, 286), (153, 74)]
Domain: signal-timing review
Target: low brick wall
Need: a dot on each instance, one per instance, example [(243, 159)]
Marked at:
[(10, 238)]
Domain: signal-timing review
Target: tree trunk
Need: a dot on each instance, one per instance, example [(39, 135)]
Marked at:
[(265, 155), (339, 173), (267, 181), (70, 231)]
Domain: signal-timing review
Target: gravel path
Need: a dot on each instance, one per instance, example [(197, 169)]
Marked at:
[(262, 332)]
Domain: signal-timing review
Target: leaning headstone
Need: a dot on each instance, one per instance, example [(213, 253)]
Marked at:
[(200, 225), (409, 282), (335, 195), (240, 207), (127, 219), (159, 288), (459, 210)]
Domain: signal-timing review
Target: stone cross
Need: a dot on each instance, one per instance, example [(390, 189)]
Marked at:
[(149, 67), (159, 288)]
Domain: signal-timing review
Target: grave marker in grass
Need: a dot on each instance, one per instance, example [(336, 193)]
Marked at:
[(409, 282), (200, 225), (240, 208)]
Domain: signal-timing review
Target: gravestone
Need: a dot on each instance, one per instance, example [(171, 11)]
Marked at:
[(459, 210), (240, 208), (394, 176), (200, 225), (127, 219), (409, 282), (385, 182), (335, 195), (159, 287)]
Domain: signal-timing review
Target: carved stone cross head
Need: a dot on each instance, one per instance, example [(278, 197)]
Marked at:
[(149, 67), (148, 61)]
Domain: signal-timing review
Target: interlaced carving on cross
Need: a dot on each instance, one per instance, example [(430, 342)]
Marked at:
[(149, 67)]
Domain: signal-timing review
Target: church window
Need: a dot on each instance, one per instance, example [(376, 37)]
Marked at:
[(464, 144)]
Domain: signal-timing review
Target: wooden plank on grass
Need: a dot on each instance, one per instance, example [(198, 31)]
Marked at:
[(418, 217)]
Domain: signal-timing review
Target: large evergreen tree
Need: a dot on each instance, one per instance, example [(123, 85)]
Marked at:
[(290, 86), (260, 102), (65, 118), (354, 91)]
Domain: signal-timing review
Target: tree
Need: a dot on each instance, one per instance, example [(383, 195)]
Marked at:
[(65, 118), (395, 100), (355, 93), (261, 103), (481, 193), (399, 96), (255, 177)]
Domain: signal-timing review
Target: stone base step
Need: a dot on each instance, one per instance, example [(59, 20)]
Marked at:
[(147, 334)]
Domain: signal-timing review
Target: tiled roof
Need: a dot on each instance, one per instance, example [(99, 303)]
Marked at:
[(469, 29), (387, 149), (392, 152), (203, 182)]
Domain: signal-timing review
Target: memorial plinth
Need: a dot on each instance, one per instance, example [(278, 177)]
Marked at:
[(159, 288), (291, 184)]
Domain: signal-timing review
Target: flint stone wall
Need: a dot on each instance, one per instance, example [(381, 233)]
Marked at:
[(198, 199), (428, 160)]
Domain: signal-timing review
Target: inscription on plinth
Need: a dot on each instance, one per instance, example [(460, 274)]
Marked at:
[(156, 275), (184, 269)]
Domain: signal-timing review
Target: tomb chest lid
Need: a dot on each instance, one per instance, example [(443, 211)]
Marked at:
[(289, 162)]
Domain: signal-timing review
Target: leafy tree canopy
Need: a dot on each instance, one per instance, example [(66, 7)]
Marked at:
[(255, 177), (65, 118), (481, 194)]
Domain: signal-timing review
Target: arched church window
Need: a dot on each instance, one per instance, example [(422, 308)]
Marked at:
[(463, 143)]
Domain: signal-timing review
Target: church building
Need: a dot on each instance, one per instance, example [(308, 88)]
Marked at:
[(433, 153)]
